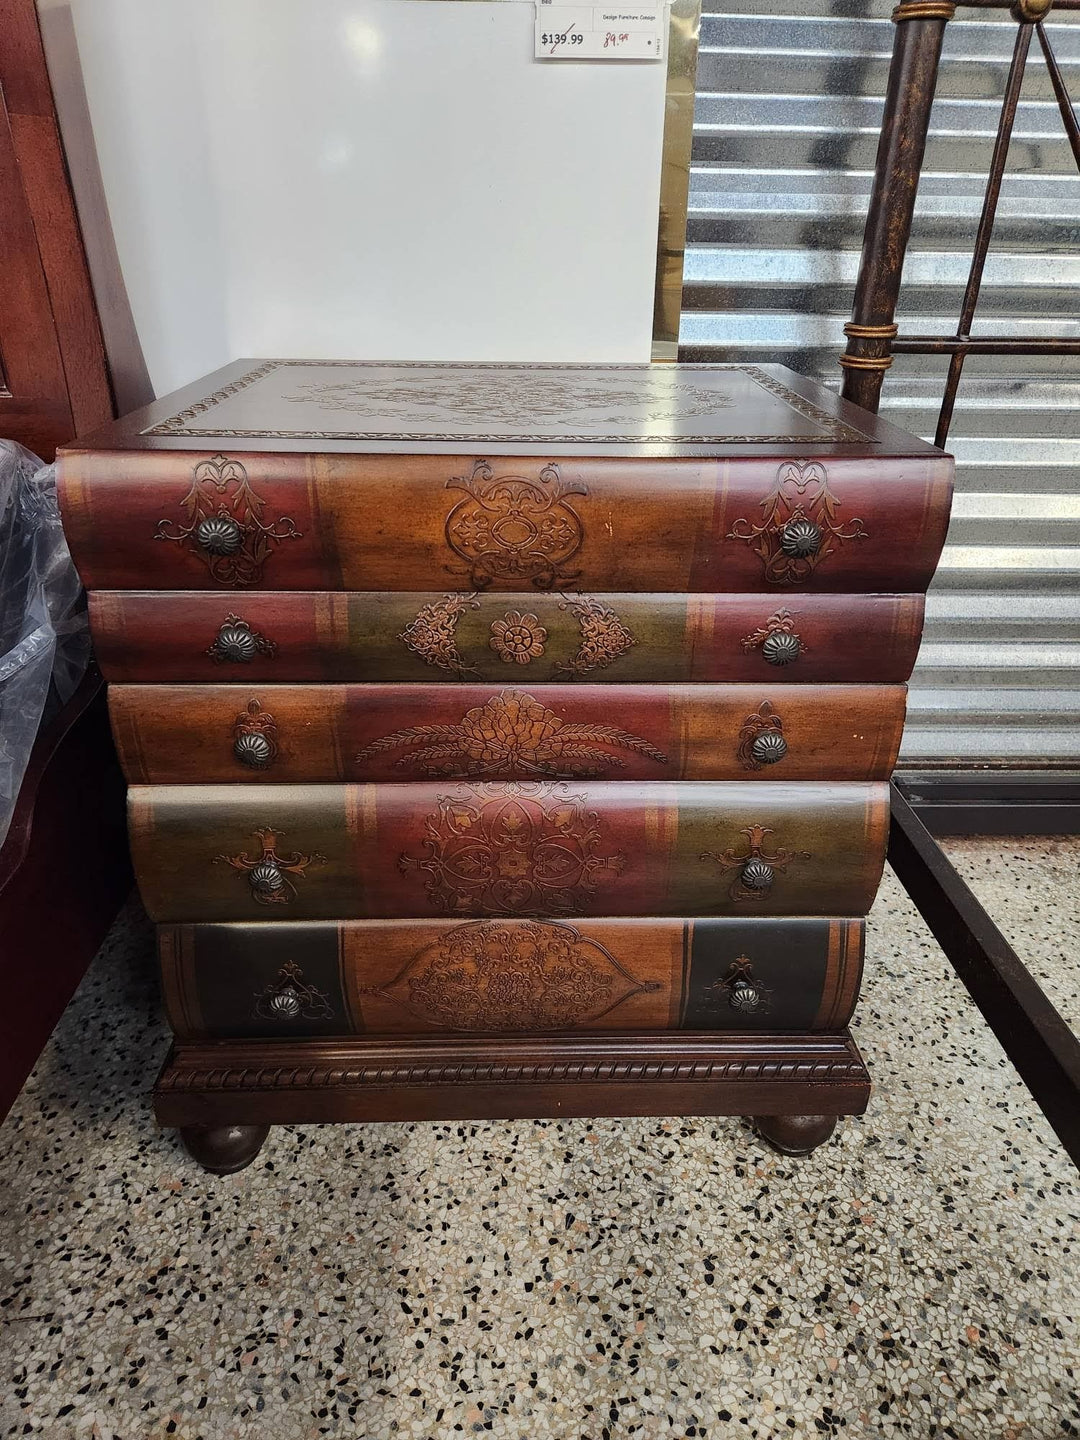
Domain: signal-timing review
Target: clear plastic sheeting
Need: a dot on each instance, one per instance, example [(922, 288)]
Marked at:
[(44, 641)]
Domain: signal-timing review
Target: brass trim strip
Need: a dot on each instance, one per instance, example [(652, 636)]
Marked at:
[(682, 50), (865, 362), (870, 332), (923, 10)]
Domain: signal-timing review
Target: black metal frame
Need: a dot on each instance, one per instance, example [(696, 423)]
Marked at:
[(1038, 1042)]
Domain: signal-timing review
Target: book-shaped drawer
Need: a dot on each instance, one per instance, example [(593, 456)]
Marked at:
[(189, 734), (150, 636), (540, 848), (297, 980), (536, 522)]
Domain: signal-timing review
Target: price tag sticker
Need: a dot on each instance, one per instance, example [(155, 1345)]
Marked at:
[(599, 32)]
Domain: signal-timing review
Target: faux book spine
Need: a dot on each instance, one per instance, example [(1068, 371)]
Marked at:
[(237, 522), (507, 976), (547, 848), (151, 636), (175, 734)]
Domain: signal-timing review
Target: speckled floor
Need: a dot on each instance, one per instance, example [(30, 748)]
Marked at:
[(560, 1281)]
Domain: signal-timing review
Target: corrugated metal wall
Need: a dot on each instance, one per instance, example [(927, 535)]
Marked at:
[(786, 125)]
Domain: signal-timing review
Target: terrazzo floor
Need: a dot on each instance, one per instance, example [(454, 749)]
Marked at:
[(917, 1276)]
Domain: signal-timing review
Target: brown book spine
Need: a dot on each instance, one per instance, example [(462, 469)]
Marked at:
[(178, 734), (236, 522), (150, 636), (508, 976), (542, 848)]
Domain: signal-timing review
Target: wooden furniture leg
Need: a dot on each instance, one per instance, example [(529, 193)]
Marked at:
[(223, 1149), (795, 1134)]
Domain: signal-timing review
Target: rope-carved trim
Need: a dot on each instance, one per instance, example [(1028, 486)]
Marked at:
[(531, 1072)]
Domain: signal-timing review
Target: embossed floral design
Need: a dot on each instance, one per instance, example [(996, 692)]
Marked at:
[(432, 633), (801, 502), (513, 850), (604, 637), (511, 529), (225, 526), (513, 735), (517, 638), (496, 976)]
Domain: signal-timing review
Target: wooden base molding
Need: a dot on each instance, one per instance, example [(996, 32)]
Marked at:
[(257, 1083)]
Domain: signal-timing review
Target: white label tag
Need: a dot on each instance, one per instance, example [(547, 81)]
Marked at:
[(599, 32)]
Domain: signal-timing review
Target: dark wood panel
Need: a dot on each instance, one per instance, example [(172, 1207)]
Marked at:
[(52, 359)]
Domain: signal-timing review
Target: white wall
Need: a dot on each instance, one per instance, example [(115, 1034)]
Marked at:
[(390, 179)]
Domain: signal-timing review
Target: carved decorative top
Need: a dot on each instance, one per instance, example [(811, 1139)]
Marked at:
[(513, 849), (627, 405), (514, 529), (494, 976), (225, 525), (800, 525), (513, 733)]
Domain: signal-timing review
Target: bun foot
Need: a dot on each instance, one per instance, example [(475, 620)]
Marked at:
[(795, 1134), (223, 1149)]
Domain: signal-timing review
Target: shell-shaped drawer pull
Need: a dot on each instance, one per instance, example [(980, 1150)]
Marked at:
[(745, 996), (219, 535), (253, 749), (236, 643), (800, 539), (761, 738), (757, 875), (255, 737), (769, 747), (782, 648), (271, 876), (266, 879)]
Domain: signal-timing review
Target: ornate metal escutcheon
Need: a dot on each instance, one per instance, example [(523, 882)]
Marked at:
[(287, 997), (238, 644), (223, 523), (777, 639), (255, 737), (761, 738), (799, 526), (739, 989), (270, 875), (757, 868)]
